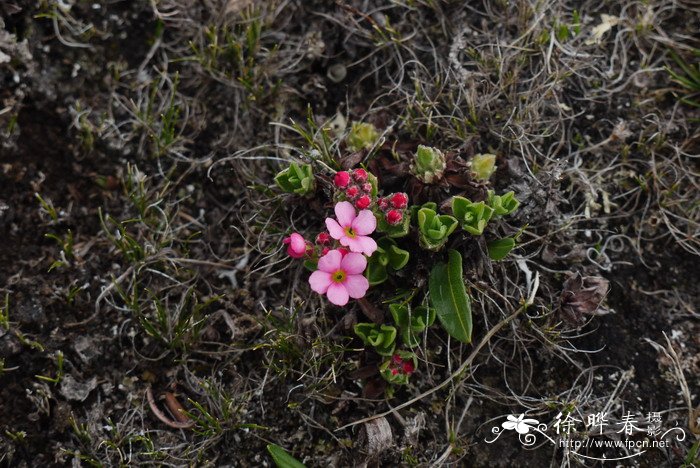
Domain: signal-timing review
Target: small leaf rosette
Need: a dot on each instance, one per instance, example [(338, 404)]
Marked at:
[(399, 367), (503, 204), (413, 322), (433, 228), (429, 164), (362, 136), (483, 166), (473, 217), (381, 337), (388, 257), (298, 179)]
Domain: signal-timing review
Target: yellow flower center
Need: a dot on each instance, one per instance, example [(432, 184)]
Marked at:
[(339, 276), (350, 233)]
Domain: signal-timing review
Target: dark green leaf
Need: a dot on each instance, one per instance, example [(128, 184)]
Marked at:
[(499, 248), (283, 459), (450, 299)]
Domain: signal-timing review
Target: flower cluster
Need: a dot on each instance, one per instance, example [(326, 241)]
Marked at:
[(399, 365), (339, 256), (393, 207), (399, 368), (355, 186)]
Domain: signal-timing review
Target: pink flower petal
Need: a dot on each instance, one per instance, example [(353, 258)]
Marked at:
[(330, 262), (320, 280), (368, 245), (353, 244), (345, 213), (353, 264), (337, 294), (365, 223), (356, 285), (334, 228), (297, 244)]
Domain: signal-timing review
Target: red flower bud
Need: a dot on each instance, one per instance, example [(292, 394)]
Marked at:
[(362, 202), (325, 251), (383, 204), (367, 187), (407, 367), (360, 175), (399, 200), (394, 217), (323, 238), (343, 251), (396, 359), (352, 192), (394, 371), (341, 179)]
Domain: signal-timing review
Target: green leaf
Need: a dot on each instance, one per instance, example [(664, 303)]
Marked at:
[(472, 216), (412, 323), (484, 165), (296, 179), (499, 248), (434, 229), (376, 273), (450, 299), (283, 459), (362, 136), (381, 337), (503, 204), (398, 258)]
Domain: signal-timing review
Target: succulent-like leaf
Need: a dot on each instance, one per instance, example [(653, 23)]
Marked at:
[(434, 229), (362, 136), (387, 256), (503, 204), (450, 299), (484, 165), (398, 258), (381, 337), (429, 164), (296, 179), (283, 459), (376, 273), (412, 322), (473, 217), (499, 248)]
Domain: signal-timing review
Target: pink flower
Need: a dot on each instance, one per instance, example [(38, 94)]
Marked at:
[(296, 245), (353, 229), (340, 277)]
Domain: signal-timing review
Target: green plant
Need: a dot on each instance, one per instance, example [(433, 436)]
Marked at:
[(450, 299), (381, 337), (689, 78), (297, 179), (502, 204), (483, 166), (362, 136), (5, 313), (499, 248), (59, 370), (412, 323), (473, 217), (434, 229), (429, 164), (388, 256), (399, 367), (283, 459)]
